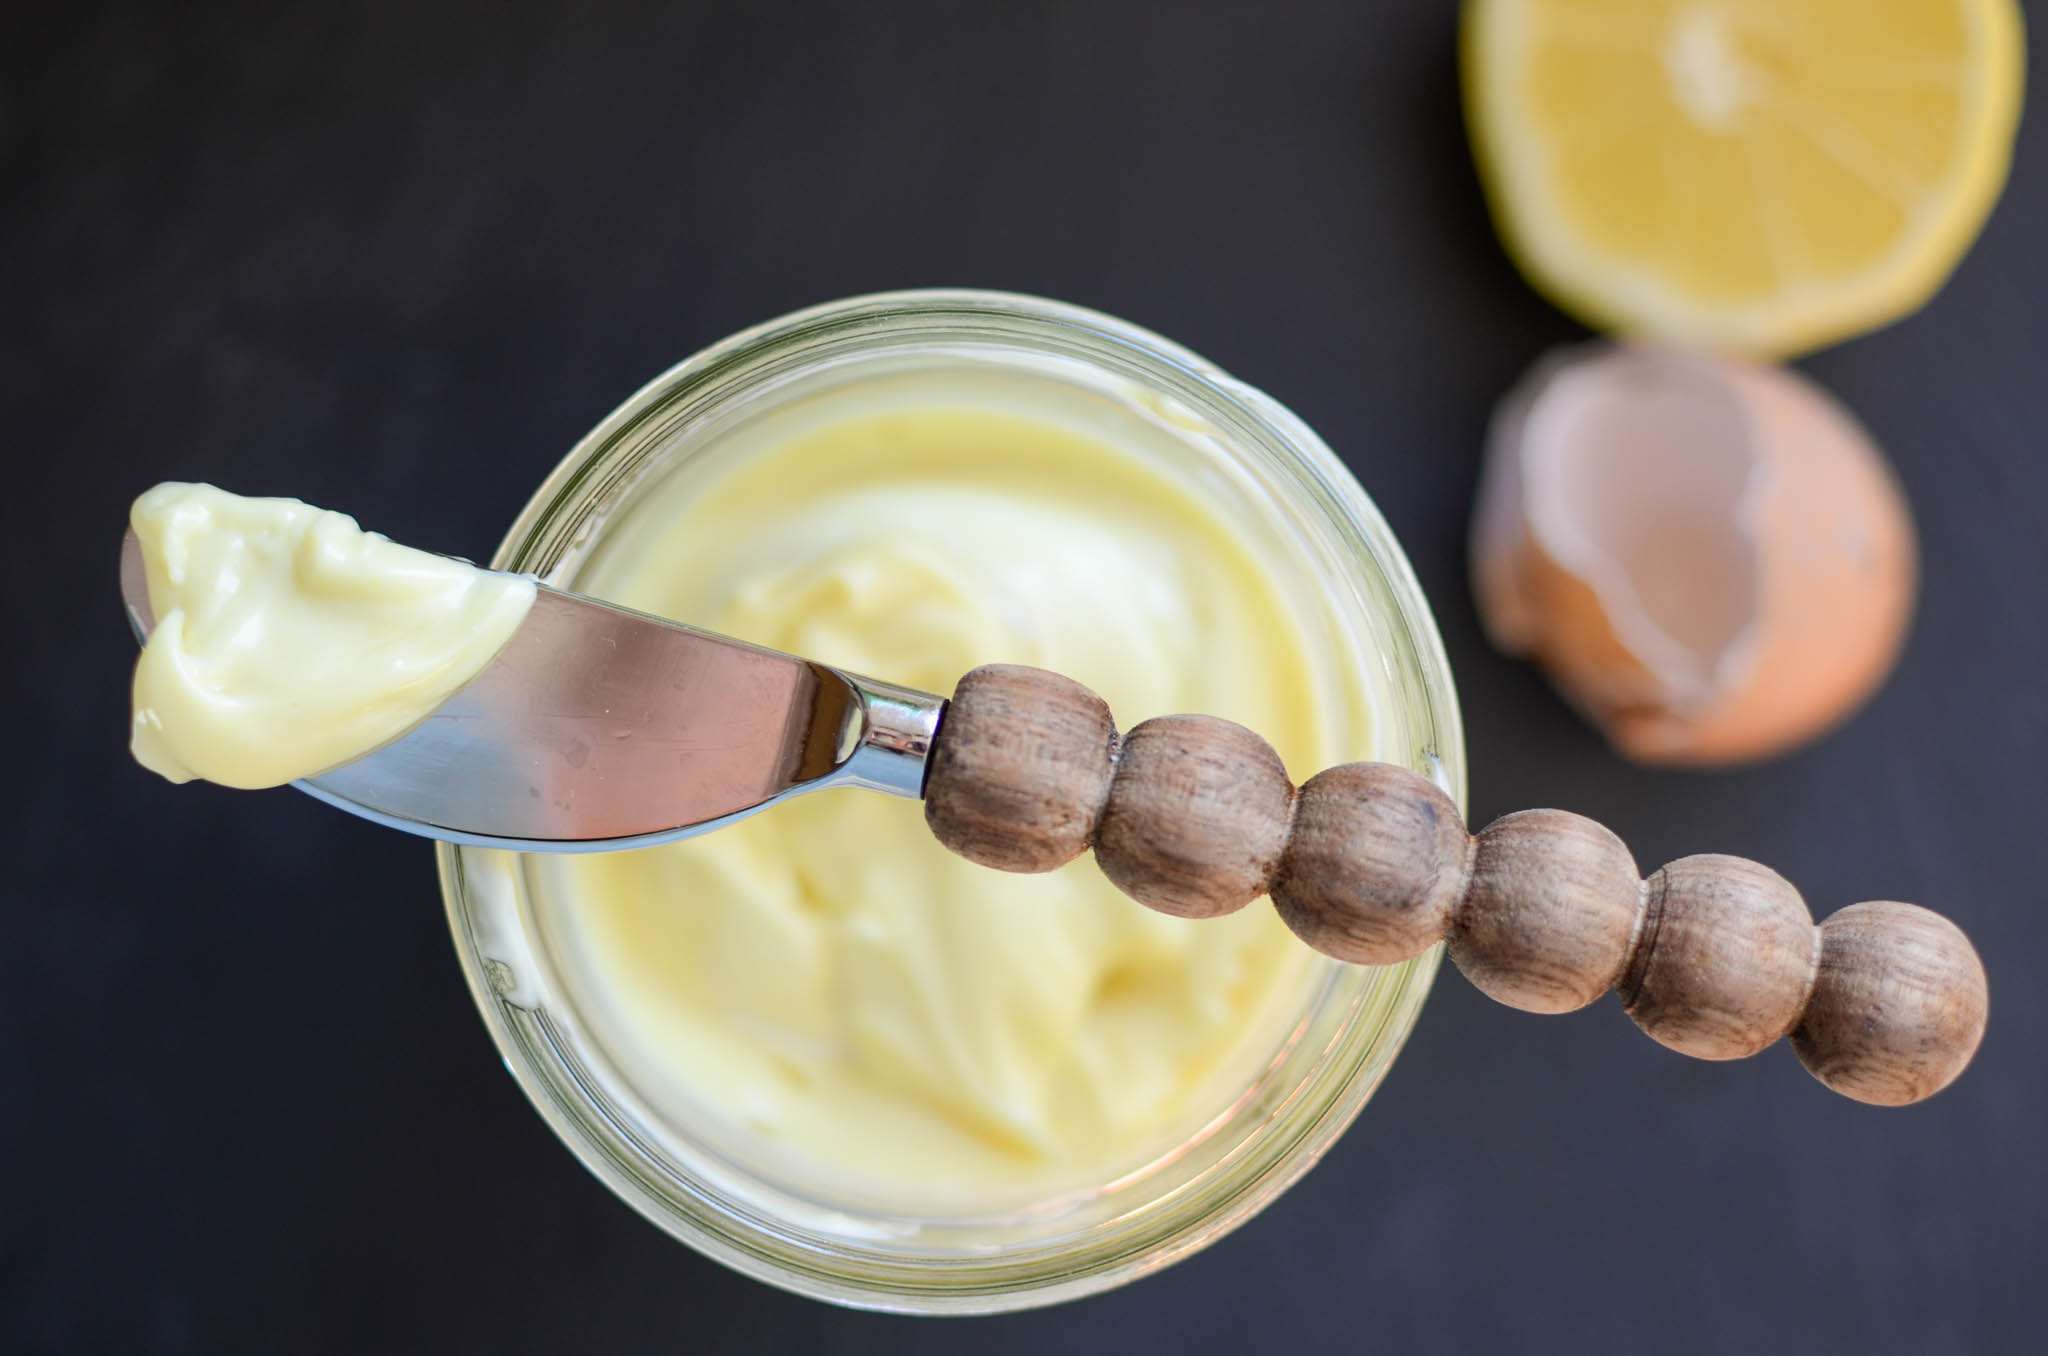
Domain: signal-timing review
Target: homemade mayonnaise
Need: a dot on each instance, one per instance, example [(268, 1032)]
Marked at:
[(823, 989), (288, 640), (827, 990)]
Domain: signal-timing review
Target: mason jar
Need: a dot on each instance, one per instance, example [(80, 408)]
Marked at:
[(1371, 636)]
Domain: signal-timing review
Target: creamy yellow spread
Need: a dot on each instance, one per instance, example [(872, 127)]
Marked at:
[(826, 984), (288, 640), (823, 986)]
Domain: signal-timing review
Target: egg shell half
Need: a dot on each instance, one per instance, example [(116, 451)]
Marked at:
[(1709, 557)]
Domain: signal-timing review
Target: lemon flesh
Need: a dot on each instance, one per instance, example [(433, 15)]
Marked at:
[(1760, 175)]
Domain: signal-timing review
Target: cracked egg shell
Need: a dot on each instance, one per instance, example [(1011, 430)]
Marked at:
[(1710, 558)]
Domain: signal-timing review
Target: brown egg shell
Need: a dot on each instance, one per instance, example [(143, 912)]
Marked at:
[(1710, 558)]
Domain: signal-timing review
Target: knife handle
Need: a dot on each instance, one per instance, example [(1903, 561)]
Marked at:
[(1713, 956)]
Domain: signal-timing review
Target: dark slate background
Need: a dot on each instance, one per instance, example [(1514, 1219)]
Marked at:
[(397, 257)]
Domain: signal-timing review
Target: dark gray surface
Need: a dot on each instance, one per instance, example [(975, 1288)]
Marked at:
[(396, 258)]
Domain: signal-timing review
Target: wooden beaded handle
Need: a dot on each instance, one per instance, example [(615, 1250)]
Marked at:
[(1715, 957)]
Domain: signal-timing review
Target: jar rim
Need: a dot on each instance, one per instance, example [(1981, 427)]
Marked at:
[(1365, 1041)]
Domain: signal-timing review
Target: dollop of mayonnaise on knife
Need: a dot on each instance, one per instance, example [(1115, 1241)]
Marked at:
[(289, 641)]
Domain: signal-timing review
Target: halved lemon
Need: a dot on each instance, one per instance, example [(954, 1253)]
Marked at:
[(1760, 175)]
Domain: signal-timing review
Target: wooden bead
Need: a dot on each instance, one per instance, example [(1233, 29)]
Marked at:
[(1550, 915), (1377, 861), (1019, 768), (1197, 816), (1898, 1006), (1725, 960)]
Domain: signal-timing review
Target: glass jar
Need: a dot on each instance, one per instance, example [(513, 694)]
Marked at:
[(1372, 622)]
